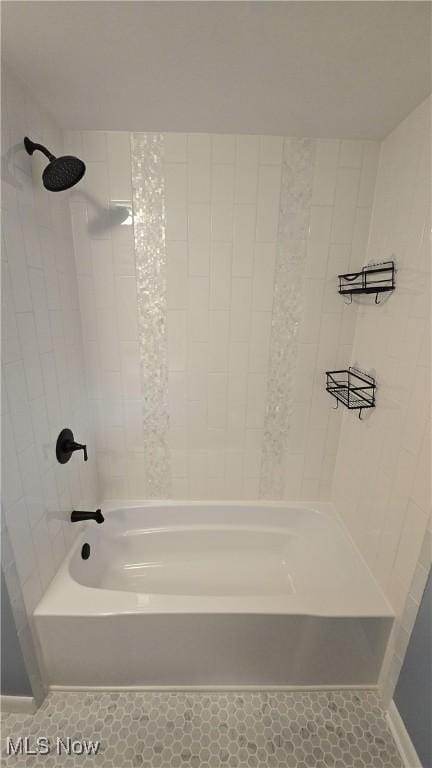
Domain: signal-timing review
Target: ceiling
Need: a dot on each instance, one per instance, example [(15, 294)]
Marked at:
[(351, 69)]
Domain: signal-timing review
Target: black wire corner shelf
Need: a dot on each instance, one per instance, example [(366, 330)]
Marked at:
[(352, 387), (374, 278)]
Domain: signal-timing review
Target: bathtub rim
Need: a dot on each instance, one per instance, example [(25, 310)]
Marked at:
[(82, 600)]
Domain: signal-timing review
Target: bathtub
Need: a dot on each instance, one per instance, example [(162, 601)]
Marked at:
[(213, 595)]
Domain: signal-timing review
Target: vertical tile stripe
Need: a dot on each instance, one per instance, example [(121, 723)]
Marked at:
[(295, 204), (151, 265)]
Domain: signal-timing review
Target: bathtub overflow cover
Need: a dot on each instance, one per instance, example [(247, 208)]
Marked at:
[(85, 551)]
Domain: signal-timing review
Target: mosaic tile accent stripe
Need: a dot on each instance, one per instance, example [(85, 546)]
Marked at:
[(150, 260), (294, 215), (209, 730)]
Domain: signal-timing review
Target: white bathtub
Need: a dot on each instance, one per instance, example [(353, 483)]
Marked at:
[(214, 595)]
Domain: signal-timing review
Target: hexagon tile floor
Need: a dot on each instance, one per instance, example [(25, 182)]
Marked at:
[(345, 729)]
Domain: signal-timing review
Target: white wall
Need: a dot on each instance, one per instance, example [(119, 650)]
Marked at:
[(381, 482), (43, 364), (223, 199)]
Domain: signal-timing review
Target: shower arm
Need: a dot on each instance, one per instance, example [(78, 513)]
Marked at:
[(31, 147)]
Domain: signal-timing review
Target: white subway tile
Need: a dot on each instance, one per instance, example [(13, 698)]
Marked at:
[(220, 275), (108, 340), (197, 416), (256, 400), (247, 149), (198, 357), (17, 262), (326, 164), (30, 233), (269, 179), (218, 340), (177, 398), (223, 183), (238, 356), (252, 462), (134, 428), (368, 173), (93, 145), (236, 413), (177, 271), (126, 290), (251, 488), (130, 369), (409, 544), (12, 489), (43, 552), (198, 466), (177, 339), (199, 149), (136, 478), (234, 474), (318, 241), (216, 464), (178, 463), (176, 200), (198, 303), (199, 258), (97, 185), (217, 400), (360, 238), (345, 205), (246, 183), (199, 221), (241, 304), (271, 150), (223, 148), (260, 342), (421, 486), (244, 237), (20, 536), (197, 383), (180, 488), (11, 349), (176, 229), (222, 222), (14, 379), (313, 300), (263, 279), (175, 147), (51, 281), (124, 251), (103, 274), (351, 153), (119, 165), (31, 360), (45, 443)]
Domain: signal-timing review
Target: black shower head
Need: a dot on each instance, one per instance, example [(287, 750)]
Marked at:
[(61, 172)]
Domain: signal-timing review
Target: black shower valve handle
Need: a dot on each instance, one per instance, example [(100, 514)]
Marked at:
[(66, 445), (72, 446)]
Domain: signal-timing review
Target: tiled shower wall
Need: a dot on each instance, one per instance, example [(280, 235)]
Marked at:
[(236, 210), (381, 482), (43, 367)]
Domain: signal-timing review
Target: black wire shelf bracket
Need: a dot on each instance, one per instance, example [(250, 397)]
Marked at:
[(373, 278), (352, 387)]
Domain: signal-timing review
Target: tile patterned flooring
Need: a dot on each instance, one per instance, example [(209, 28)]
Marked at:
[(338, 729)]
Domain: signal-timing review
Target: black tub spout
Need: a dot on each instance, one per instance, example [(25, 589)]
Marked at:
[(78, 517)]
